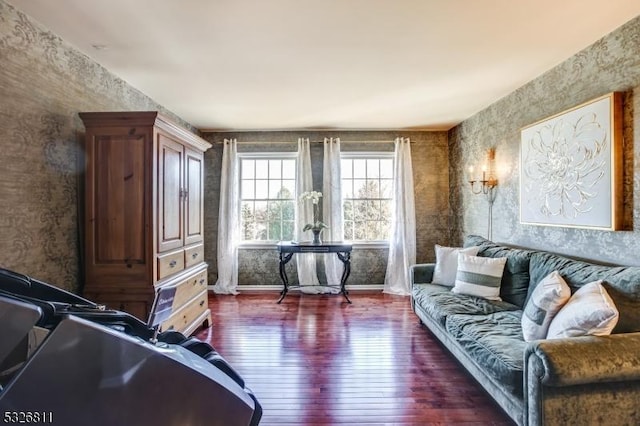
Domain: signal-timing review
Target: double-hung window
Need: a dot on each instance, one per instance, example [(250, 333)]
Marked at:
[(267, 196), (367, 184)]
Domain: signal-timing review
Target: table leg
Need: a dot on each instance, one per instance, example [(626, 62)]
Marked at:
[(346, 260), (284, 258)]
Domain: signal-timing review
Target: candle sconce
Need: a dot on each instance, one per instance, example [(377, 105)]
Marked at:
[(487, 185), (488, 181)]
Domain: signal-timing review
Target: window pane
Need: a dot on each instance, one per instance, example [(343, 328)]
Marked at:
[(275, 230), (386, 188), (385, 230), (288, 169), (275, 189), (261, 231), (359, 230), (287, 230), (347, 207), (386, 168), (262, 189), (275, 169), (385, 209), (359, 210), (373, 188), (262, 169), (247, 169), (373, 230), (288, 210), (347, 190), (275, 210), (346, 169), (348, 230), (288, 188), (360, 169), (247, 191), (373, 168), (359, 188), (247, 219), (261, 211)]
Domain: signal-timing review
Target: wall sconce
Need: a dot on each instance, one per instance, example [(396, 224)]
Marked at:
[(487, 185), (488, 181)]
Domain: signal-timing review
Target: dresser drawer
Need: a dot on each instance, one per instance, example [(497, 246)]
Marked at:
[(170, 263), (193, 255), (189, 288), (182, 319)]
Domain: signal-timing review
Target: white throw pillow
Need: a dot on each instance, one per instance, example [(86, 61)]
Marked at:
[(447, 263), (479, 276), (589, 312), (547, 299)]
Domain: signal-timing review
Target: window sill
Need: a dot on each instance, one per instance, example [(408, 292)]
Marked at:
[(272, 245)]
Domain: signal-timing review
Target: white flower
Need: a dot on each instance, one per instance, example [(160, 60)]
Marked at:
[(314, 196)]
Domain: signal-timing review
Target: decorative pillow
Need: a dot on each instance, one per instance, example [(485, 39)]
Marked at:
[(447, 263), (479, 276), (546, 300), (589, 312)]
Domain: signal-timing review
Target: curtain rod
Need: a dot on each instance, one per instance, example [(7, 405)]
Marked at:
[(295, 142)]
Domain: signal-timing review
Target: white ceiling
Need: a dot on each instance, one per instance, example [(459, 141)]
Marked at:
[(346, 64)]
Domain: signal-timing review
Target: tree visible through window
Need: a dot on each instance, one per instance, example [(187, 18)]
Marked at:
[(267, 198), (367, 182)]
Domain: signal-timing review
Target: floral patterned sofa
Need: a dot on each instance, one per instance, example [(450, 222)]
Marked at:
[(577, 380)]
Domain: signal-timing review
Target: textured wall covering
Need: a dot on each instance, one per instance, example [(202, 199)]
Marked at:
[(431, 179), (611, 64), (44, 83)]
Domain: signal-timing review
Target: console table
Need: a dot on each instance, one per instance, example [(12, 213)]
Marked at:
[(287, 249)]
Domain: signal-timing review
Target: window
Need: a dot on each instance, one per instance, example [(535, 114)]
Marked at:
[(367, 182), (267, 196)]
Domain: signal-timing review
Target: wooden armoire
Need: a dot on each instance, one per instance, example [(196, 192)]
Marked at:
[(144, 216)]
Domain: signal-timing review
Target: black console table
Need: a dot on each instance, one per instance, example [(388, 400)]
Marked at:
[(287, 249)]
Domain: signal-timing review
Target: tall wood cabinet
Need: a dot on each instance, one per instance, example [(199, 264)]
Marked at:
[(144, 216)]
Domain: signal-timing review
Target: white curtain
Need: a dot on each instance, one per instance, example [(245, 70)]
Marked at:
[(332, 207), (306, 263), (228, 221), (402, 242)]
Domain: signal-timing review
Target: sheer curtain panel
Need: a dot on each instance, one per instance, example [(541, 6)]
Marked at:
[(332, 207), (305, 263), (228, 221), (402, 242)]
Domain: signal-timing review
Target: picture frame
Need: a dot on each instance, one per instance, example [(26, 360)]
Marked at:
[(571, 167)]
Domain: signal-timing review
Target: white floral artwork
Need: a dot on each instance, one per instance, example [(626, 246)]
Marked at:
[(567, 174)]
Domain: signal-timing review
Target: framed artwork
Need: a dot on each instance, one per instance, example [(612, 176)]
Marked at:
[(571, 167)]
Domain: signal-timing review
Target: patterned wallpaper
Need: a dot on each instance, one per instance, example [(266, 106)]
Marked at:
[(44, 83), (431, 179), (611, 64)]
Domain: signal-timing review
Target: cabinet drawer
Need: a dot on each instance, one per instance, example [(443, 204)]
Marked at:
[(193, 255), (170, 263), (189, 288), (188, 314)]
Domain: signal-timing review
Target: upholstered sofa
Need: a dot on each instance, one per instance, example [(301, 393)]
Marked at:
[(569, 381)]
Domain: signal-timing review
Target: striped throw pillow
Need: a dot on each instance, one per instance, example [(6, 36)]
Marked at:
[(479, 276)]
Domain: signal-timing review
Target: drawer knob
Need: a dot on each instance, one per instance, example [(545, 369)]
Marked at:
[(172, 264), (201, 303), (194, 255), (202, 281)]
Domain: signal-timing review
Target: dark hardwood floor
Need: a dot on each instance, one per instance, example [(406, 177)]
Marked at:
[(315, 360)]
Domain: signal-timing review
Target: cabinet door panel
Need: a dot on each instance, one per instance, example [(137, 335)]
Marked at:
[(193, 225), (170, 210)]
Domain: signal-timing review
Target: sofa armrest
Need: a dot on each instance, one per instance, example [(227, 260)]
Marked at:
[(586, 359), (421, 273), (582, 380)]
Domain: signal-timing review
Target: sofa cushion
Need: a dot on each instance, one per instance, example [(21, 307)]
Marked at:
[(447, 263), (622, 283), (439, 302), (495, 343), (547, 299), (479, 276), (589, 312), (515, 279)]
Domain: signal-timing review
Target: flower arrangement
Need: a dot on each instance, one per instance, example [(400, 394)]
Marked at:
[(314, 196)]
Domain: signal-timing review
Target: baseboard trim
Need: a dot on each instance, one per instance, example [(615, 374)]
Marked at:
[(257, 287)]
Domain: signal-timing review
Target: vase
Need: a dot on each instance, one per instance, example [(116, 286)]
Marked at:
[(316, 236)]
